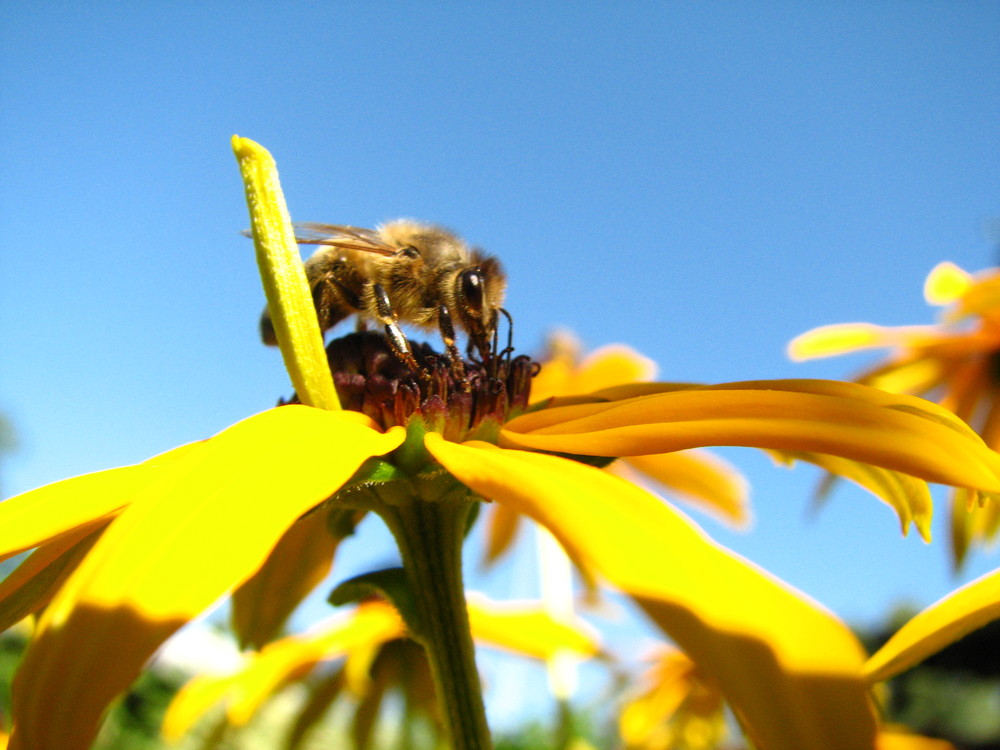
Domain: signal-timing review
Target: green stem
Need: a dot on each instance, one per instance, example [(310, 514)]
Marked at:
[(430, 536)]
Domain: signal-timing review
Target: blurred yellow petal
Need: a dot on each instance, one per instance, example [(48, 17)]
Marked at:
[(888, 740), (502, 524), (677, 707), (298, 563), (960, 528), (558, 366), (909, 497), (192, 702), (527, 629), (827, 341), (916, 375), (791, 670), (843, 338), (960, 612), (563, 374), (981, 298), (705, 479), (43, 514), (894, 431), (360, 659), (946, 283), (606, 367), (183, 542), (974, 520), (371, 623)]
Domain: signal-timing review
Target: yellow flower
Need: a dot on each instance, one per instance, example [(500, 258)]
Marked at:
[(954, 363), (678, 708), (376, 657), (695, 476), (123, 558)]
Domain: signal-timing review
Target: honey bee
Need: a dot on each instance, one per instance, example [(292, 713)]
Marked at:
[(402, 272)]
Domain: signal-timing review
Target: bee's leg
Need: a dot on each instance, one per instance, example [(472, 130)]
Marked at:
[(400, 346), (510, 335), (448, 336)]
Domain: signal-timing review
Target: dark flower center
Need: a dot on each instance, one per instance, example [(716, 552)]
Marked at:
[(371, 379)]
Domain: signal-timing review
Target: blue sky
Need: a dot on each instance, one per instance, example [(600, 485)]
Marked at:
[(702, 181)]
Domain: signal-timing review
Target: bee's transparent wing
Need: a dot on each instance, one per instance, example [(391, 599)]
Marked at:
[(339, 235)]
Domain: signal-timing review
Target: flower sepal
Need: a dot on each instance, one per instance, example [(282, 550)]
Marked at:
[(391, 584)]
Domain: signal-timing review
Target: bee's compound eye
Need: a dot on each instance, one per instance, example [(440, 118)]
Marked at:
[(471, 285)]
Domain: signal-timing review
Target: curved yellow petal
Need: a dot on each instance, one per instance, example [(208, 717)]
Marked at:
[(944, 622), (267, 671), (701, 477), (298, 563), (946, 283), (192, 701), (371, 623), (527, 629), (791, 670), (289, 297), (894, 431), (183, 542), (43, 514), (33, 583), (908, 496)]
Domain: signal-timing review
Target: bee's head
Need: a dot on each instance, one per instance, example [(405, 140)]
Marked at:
[(479, 292)]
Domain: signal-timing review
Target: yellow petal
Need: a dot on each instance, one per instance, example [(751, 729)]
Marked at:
[(35, 581), (676, 700), (298, 563), (558, 366), (372, 623), (982, 297), (946, 283), (913, 374), (894, 431), (909, 497), (45, 513), (527, 629), (904, 741), (289, 297), (705, 479), (827, 341), (562, 375), (183, 542), (944, 622), (192, 701), (501, 529), (961, 528), (790, 669)]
